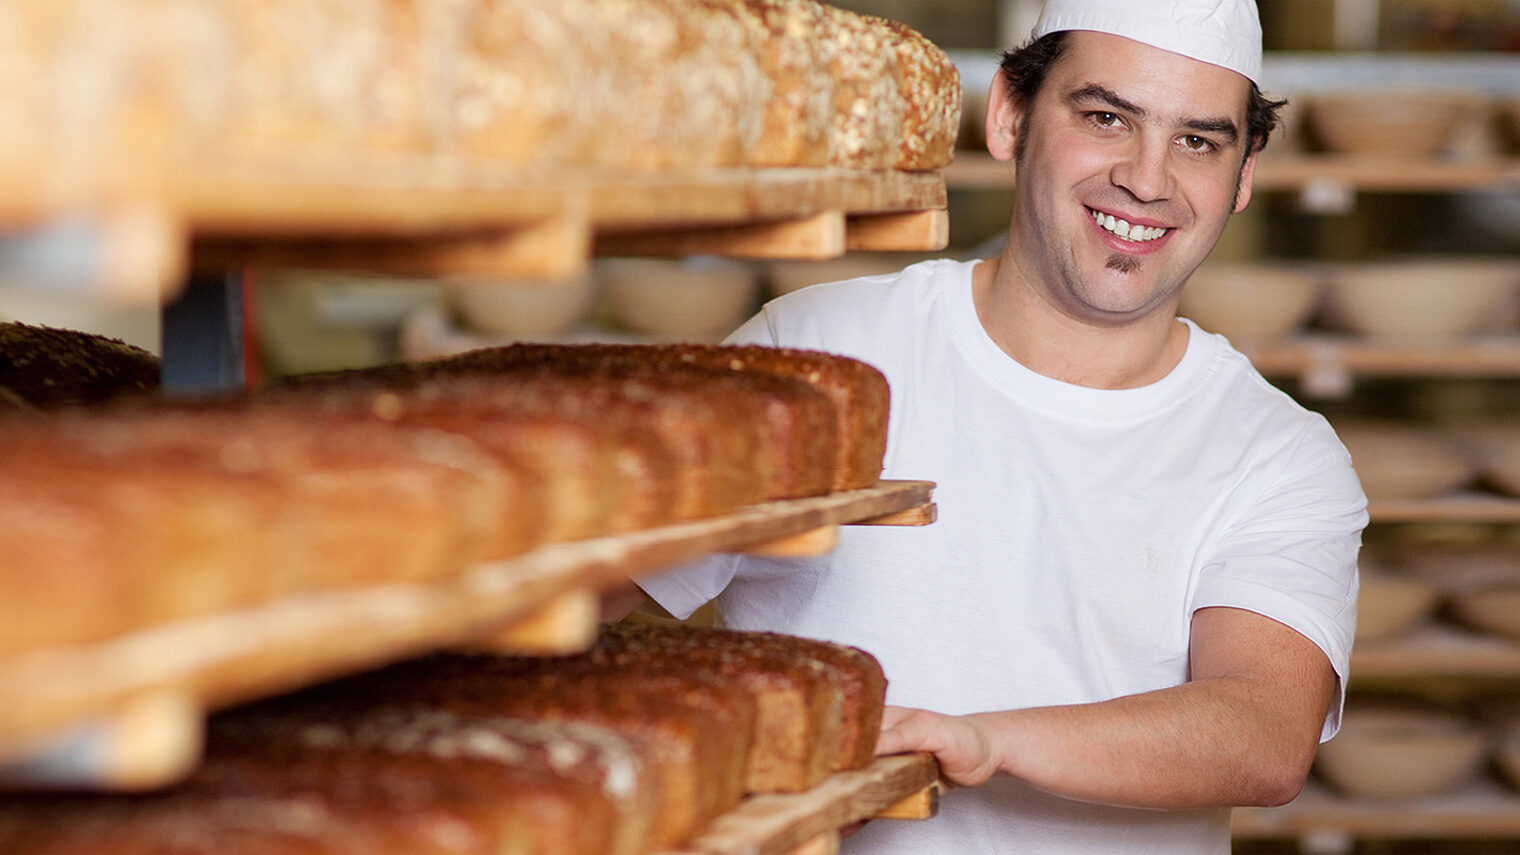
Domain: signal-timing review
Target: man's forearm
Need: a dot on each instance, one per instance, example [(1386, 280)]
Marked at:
[(1201, 744), (1242, 732)]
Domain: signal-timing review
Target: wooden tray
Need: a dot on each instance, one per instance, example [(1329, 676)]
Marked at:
[(898, 787), (128, 712), (477, 220)]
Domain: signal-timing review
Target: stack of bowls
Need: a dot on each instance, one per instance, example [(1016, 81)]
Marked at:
[(1423, 298)]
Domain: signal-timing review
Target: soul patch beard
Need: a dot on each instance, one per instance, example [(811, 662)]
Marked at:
[(1122, 263)]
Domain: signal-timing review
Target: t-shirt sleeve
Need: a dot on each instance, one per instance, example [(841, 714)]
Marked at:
[(1292, 555)]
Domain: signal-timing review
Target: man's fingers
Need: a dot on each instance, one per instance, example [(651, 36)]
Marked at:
[(902, 731)]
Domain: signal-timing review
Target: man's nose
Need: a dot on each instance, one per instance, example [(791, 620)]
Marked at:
[(1144, 169)]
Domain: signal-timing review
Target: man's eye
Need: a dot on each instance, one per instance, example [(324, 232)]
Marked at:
[(1196, 143), (1107, 120)]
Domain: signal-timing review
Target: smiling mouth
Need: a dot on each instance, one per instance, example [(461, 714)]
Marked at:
[(1123, 230)]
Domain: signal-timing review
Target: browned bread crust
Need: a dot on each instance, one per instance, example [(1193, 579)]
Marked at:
[(857, 674), (694, 729), (858, 391), (117, 521)]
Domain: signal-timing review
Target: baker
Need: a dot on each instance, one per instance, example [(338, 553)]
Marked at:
[(1136, 608)]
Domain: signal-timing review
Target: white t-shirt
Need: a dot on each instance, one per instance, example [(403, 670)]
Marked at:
[(1078, 531)]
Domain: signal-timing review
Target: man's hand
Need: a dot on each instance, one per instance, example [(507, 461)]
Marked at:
[(962, 744)]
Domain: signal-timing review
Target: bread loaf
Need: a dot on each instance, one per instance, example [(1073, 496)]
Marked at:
[(849, 738), (115, 521), (190, 823), (393, 780), (513, 785), (692, 729), (276, 92), (859, 392), (797, 425)]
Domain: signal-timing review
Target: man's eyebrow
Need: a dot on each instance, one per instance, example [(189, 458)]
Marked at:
[(1092, 92), (1222, 127)]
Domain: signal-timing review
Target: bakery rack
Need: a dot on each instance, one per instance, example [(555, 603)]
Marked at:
[(150, 224)]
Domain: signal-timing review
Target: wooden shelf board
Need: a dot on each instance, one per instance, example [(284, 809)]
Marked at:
[(237, 656), (1310, 353), (1455, 507), (1290, 172), (1485, 810), (436, 218), (1436, 650), (778, 824)]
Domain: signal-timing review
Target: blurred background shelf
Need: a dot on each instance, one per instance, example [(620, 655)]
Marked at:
[(1486, 810), (1297, 172), (1436, 650)]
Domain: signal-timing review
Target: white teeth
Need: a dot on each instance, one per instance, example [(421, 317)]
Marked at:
[(1122, 228)]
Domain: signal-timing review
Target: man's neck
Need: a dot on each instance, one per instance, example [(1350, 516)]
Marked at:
[(1061, 347)]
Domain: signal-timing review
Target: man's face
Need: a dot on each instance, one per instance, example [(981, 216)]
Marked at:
[(1129, 166)]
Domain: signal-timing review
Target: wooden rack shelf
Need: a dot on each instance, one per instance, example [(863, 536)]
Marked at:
[(1311, 355), (1456, 507), (484, 222), (1485, 810), (1436, 650), (1295, 172), (128, 711)]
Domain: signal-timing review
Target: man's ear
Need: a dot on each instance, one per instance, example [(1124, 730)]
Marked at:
[(1002, 119), (1247, 175)]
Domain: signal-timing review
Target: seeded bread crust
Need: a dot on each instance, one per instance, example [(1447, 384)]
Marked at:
[(425, 87)]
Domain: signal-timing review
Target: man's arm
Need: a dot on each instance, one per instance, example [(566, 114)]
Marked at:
[(1242, 731)]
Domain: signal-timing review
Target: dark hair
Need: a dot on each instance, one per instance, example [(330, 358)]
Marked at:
[(1025, 69)]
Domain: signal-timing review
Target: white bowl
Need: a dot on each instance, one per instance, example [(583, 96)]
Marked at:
[(784, 277), (1395, 753), (1251, 302), (1507, 758), (1396, 461), (521, 308), (700, 299), (1389, 606), (1422, 297), (1395, 123), (1496, 449)]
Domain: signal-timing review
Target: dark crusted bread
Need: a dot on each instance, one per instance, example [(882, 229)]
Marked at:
[(693, 728), (46, 368), (392, 781)]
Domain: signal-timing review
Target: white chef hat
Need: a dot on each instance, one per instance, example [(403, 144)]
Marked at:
[(1226, 33)]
